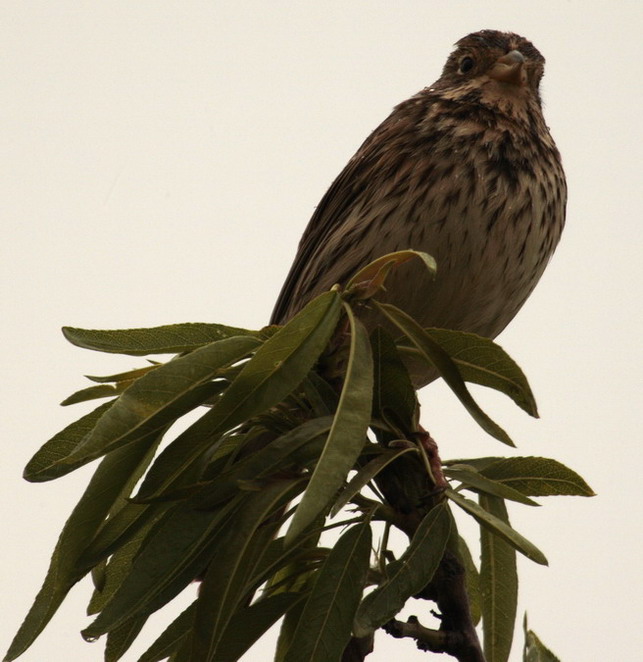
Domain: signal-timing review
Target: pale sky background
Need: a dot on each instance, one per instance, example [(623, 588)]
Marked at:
[(160, 160)]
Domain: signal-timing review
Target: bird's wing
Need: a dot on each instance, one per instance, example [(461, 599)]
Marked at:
[(327, 217), (335, 207)]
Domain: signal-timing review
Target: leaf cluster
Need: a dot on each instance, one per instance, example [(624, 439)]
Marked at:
[(320, 413)]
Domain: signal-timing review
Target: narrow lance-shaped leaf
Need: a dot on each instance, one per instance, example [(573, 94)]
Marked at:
[(477, 463), (472, 580), (471, 479), (231, 566), (182, 653), (368, 280), (95, 393), (161, 396), (481, 361), (325, 624), (436, 356), (122, 526), (537, 476), (175, 552), (252, 622), (278, 455), (347, 435), (409, 574), (120, 639), (128, 376), (282, 362), (107, 576), (120, 561), (168, 339), (276, 369), (498, 584), (290, 621), (281, 568), (394, 398), (171, 638), (366, 474), (532, 476), (498, 527), (104, 388), (110, 480), (534, 649), (321, 396), (44, 465)]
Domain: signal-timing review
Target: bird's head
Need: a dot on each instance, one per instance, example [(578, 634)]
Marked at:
[(493, 65)]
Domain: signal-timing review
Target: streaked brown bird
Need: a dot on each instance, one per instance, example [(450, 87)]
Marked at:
[(467, 171)]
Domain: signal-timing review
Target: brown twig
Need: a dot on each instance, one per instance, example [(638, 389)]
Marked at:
[(435, 641), (411, 489), (430, 448), (448, 590)]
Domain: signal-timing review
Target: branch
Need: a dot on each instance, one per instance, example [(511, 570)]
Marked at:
[(411, 488), (448, 590), (436, 641)]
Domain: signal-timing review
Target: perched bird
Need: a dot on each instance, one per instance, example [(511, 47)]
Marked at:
[(467, 171)]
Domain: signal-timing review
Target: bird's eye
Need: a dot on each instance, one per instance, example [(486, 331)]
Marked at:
[(466, 64)]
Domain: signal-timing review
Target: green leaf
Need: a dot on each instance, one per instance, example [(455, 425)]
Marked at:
[(251, 623), (292, 618), (169, 339), (120, 639), (172, 638), (408, 575), (366, 474), (394, 398), (277, 368), (479, 483), (44, 465), (233, 563), (108, 576), (111, 481), (324, 628), (435, 356), (347, 435), (296, 576), (498, 527), (534, 649), (321, 396), (182, 653), (181, 464), (477, 463), (94, 393), (481, 361), (372, 277), (176, 551), (295, 446), (119, 565), (285, 569), (161, 396), (537, 476), (121, 527), (282, 362), (121, 381), (472, 578), (129, 376), (499, 585)]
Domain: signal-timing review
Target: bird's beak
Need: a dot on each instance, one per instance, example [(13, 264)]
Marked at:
[(510, 68)]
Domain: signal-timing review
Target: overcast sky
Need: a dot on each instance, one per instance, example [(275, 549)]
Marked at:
[(160, 160)]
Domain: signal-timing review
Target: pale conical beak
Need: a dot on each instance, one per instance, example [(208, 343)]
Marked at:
[(510, 69)]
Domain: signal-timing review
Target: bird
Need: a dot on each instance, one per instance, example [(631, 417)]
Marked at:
[(465, 170)]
